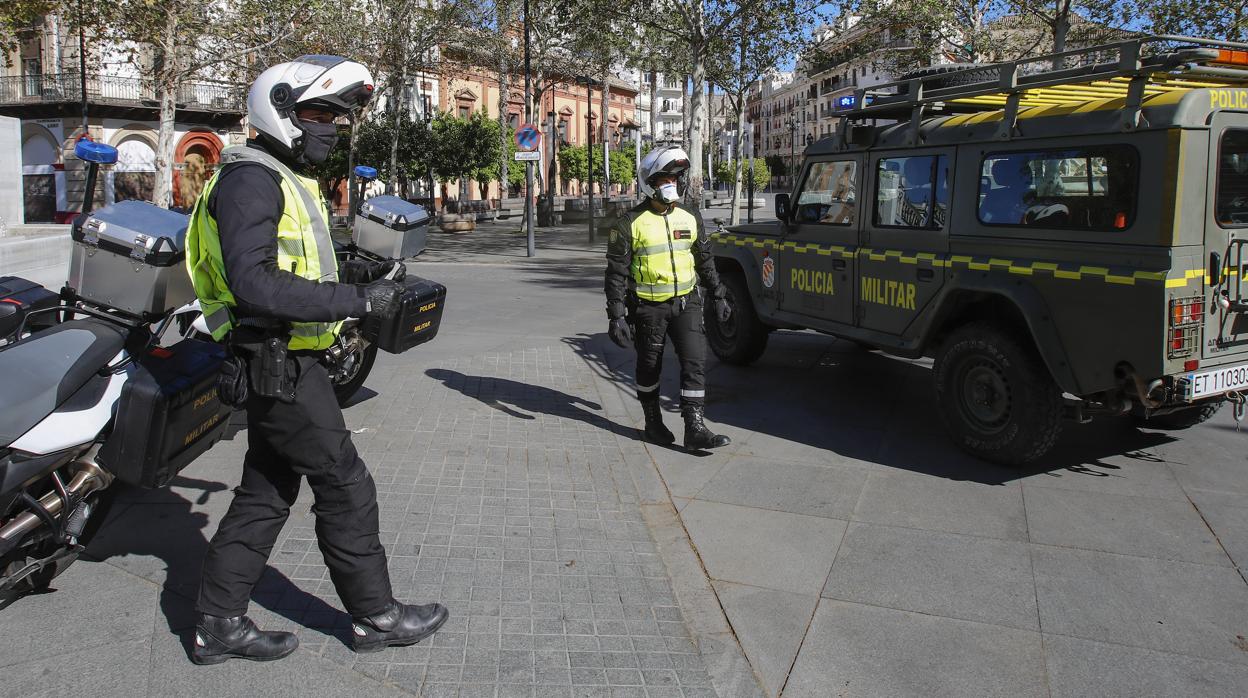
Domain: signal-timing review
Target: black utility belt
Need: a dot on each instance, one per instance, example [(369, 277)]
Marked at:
[(261, 366)]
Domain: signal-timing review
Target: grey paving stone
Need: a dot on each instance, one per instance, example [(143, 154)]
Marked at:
[(859, 650), (938, 504), (1179, 607), (770, 549), (684, 474), (1083, 667), (112, 669), (94, 604), (1141, 476), (1230, 525), (1166, 529), (829, 490), (769, 624), (942, 574)]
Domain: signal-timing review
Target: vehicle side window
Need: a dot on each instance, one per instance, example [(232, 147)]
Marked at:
[(1081, 188), (828, 196), (912, 192), (1231, 207)]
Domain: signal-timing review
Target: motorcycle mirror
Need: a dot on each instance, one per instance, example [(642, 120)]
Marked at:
[(365, 172), (98, 153)]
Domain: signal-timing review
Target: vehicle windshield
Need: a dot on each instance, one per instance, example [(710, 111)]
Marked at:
[(1232, 201)]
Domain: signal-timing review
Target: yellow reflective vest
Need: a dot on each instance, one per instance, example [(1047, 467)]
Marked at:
[(662, 253), (304, 247)]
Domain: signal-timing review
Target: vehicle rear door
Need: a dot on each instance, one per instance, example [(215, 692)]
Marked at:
[(1226, 242), (815, 271), (901, 263)]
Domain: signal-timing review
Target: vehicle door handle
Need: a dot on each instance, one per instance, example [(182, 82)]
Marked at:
[(925, 274), (838, 264)]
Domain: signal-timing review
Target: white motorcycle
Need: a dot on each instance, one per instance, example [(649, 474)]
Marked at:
[(91, 397)]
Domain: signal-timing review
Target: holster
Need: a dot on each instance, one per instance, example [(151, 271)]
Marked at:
[(270, 371)]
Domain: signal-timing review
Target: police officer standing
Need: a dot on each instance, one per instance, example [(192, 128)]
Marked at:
[(263, 266), (657, 255)]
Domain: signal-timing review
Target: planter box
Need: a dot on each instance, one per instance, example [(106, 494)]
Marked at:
[(457, 222)]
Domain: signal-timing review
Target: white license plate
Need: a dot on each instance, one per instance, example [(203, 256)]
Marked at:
[(1217, 381)]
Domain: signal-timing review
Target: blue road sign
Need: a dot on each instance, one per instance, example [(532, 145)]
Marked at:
[(528, 138)]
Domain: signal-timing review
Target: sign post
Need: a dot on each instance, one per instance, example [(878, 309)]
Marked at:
[(528, 141)]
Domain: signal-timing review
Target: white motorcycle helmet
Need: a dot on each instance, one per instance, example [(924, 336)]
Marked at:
[(672, 160), (329, 83)]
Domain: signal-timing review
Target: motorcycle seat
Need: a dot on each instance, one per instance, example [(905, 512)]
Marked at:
[(44, 370)]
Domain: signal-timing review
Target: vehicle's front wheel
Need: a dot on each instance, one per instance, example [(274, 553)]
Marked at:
[(742, 338), (1181, 419), (996, 397)]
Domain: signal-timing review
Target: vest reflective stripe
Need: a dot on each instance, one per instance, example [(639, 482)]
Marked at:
[(662, 266), (304, 248), (677, 245)]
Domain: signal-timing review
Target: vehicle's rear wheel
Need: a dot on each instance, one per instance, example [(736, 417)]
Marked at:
[(1181, 419), (742, 338), (997, 399)]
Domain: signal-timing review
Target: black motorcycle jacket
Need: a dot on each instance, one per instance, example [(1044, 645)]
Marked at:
[(247, 204)]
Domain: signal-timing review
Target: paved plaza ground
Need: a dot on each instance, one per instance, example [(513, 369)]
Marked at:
[(839, 546)]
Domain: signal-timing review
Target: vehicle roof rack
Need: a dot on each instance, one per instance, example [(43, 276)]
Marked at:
[(1120, 70)]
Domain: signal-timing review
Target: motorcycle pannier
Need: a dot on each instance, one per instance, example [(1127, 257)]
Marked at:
[(18, 298), (168, 413), (131, 256), (417, 321), (390, 227)]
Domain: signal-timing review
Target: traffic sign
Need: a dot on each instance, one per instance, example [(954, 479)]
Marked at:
[(528, 138), (528, 155)]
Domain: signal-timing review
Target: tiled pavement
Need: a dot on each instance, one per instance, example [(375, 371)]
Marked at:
[(840, 546)]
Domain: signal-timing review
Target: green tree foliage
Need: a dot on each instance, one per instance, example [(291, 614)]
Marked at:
[(725, 171), (461, 147), (1213, 19), (574, 165), (493, 172)]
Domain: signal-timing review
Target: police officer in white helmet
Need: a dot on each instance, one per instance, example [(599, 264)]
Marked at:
[(659, 267), (263, 266)]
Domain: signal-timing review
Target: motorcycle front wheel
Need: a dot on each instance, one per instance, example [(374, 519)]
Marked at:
[(349, 376)]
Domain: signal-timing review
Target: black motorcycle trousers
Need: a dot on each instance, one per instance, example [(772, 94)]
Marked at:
[(681, 319), (285, 443)]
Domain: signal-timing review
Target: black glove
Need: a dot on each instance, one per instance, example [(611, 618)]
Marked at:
[(723, 310), (620, 332), (363, 271), (383, 299)]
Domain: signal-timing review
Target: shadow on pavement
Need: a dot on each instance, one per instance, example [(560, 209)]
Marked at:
[(161, 524), (830, 395), (519, 400)]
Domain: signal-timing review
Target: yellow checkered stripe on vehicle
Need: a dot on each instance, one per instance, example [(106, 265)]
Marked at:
[(1070, 272)]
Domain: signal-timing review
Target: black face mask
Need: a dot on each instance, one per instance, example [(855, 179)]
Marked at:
[(318, 141)]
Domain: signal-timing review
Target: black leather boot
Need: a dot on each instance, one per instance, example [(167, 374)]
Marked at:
[(697, 436), (399, 624), (656, 432), (219, 639)]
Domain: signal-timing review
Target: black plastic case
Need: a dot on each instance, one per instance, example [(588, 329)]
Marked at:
[(18, 297), (168, 414), (418, 318)]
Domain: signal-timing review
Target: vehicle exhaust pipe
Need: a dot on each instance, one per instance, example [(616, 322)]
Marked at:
[(88, 477)]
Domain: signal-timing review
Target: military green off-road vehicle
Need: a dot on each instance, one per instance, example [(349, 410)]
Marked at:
[(1065, 235)]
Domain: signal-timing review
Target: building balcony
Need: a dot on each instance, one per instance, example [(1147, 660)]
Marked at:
[(59, 94)]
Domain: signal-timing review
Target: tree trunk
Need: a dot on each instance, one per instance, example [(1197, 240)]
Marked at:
[(168, 80), (163, 193), (604, 107), (397, 109), (734, 216), (654, 105), (697, 114), (1061, 27), (504, 100)]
